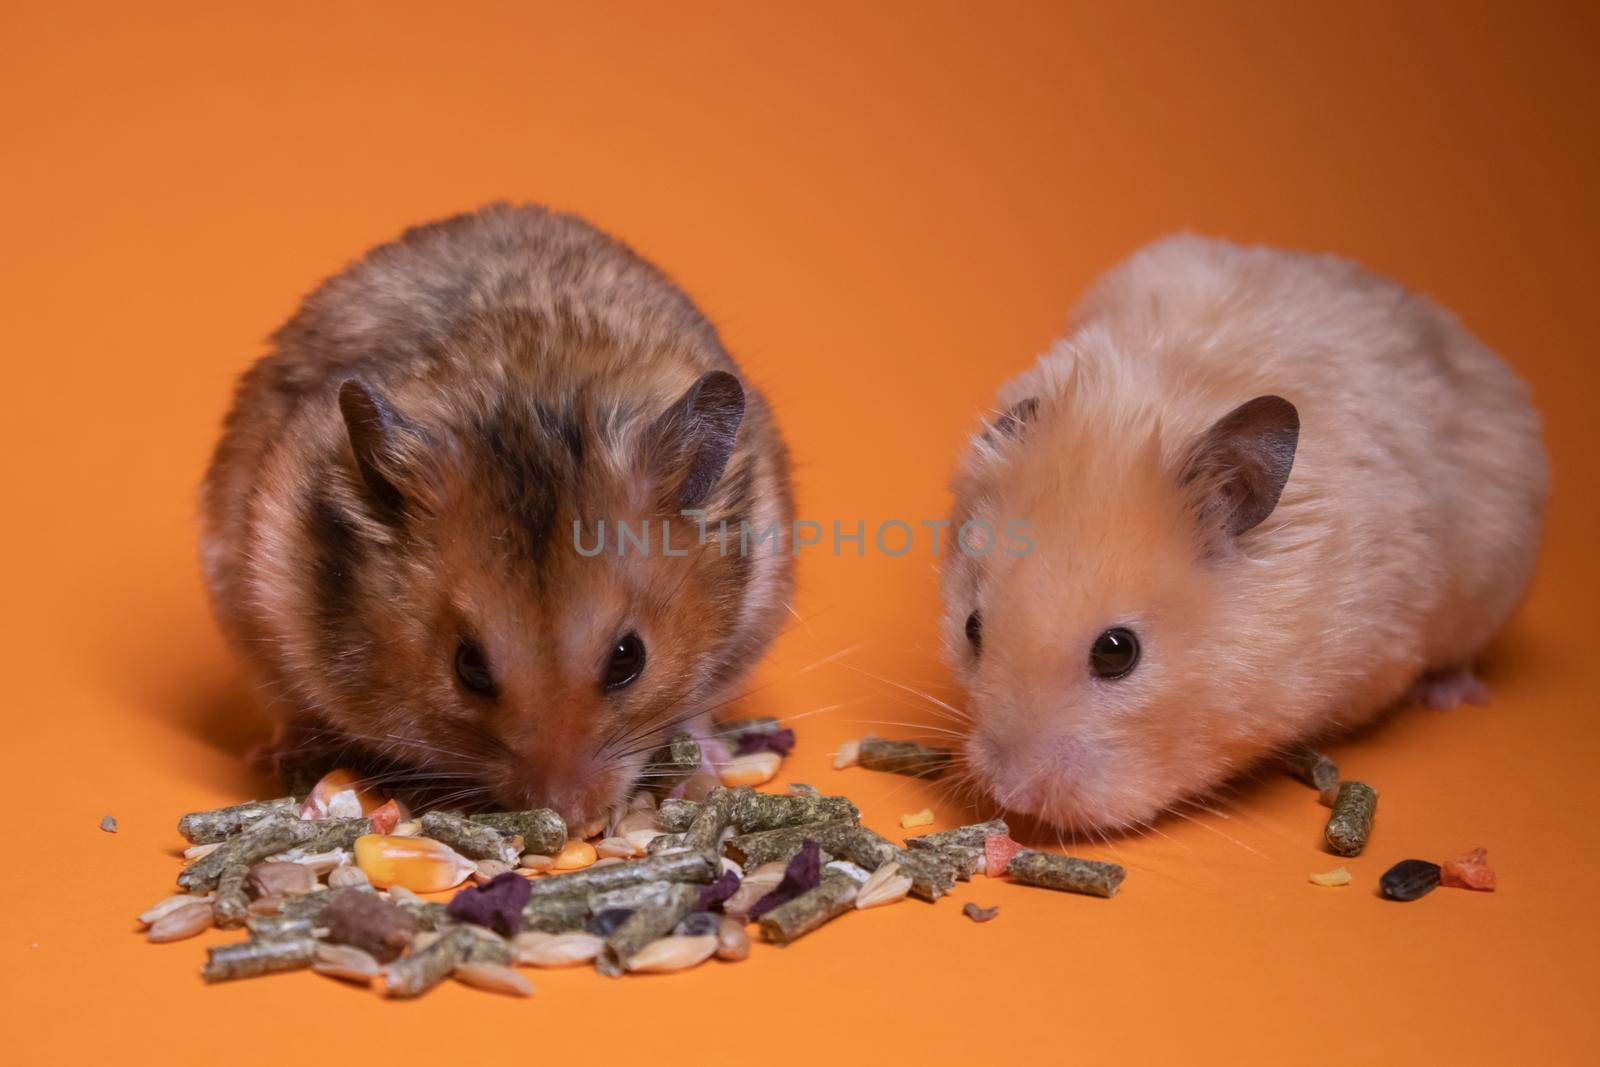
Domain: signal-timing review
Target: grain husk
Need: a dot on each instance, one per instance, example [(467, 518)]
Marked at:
[(346, 962), (539, 949), (182, 922)]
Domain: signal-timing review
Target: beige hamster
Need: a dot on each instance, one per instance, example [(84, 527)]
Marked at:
[(390, 524), (1265, 495)]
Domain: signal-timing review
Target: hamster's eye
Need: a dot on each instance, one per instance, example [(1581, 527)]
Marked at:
[(626, 663), (472, 668), (1115, 653), (975, 632)]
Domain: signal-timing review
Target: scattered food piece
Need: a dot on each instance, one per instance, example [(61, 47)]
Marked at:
[(1409, 880), (810, 910), (757, 883), (1329, 796), (757, 768), (849, 755), (280, 879), (109, 824), (674, 764), (543, 832), (606, 921), (617, 847), (669, 954), (1351, 821), (1312, 767), (346, 962), (361, 918), (184, 921), (426, 967), (195, 852), (218, 824), (489, 870), (1337, 876), (1470, 870), (256, 957), (420, 864), (171, 904), (346, 877), (538, 949), (472, 839), (497, 905), (733, 942), (903, 757), (916, 818), (385, 817), (494, 977), (801, 789), (337, 796), (1068, 874), (883, 886), (977, 914), (717, 891), (535, 862), (998, 850), (574, 855), (803, 873)]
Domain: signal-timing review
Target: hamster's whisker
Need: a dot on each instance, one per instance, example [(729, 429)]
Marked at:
[(960, 715), (916, 727), (1226, 837)]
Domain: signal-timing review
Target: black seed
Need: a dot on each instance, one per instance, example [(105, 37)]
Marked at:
[(1409, 879)]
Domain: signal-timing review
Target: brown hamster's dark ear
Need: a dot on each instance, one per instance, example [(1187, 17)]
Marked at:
[(1238, 468), (1014, 421), (374, 428), (689, 445)]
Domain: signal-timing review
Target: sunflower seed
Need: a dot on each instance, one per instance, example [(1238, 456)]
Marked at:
[(668, 954), (493, 977), (556, 950), (884, 886), (181, 922)]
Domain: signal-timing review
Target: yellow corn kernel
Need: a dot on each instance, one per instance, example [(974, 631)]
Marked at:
[(916, 818), (1337, 876), (575, 855), (419, 864), (756, 768)]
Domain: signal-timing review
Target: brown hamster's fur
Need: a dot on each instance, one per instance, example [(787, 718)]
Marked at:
[(511, 371), (1404, 536)]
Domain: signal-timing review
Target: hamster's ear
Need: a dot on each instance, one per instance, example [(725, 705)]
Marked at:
[(689, 445), (374, 428), (1014, 421), (1237, 468)]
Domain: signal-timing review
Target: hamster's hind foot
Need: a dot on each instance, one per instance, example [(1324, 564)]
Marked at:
[(1443, 690)]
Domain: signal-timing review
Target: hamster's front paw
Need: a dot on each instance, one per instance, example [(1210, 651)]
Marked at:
[(1443, 690)]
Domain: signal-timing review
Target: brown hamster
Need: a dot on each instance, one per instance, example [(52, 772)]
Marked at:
[(1262, 496), (391, 521)]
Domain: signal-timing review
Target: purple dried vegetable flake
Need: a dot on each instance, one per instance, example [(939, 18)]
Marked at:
[(779, 741), (714, 893), (497, 904), (803, 873)]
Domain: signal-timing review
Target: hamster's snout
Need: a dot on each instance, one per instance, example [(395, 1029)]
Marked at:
[(1037, 773)]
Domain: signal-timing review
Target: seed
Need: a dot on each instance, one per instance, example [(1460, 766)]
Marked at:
[(267, 905), (607, 861), (1351, 821), (640, 839), (883, 886), (574, 855), (1337, 876), (677, 953), (170, 905), (757, 884), (194, 852), (488, 870), (539, 949), (417, 863), (406, 828), (757, 768), (977, 914), (181, 922), (338, 795), (849, 755), (637, 820), (347, 962), (318, 863), (733, 941), (494, 978), (109, 824), (346, 877), (916, 818), (534, 861), (619, 847), (1409, 880)]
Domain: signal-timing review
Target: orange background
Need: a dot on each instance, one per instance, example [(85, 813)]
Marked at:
[(888, 212)]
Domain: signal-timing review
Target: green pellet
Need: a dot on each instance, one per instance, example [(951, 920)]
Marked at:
[(250, 959), (652, 919), (541, 830), (811, 909), (1312, 767), (1069, 874), (218, 824), (231, 904), (421, 971), (672, 765), (472, 839), (1350, 823), (904, 757)]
